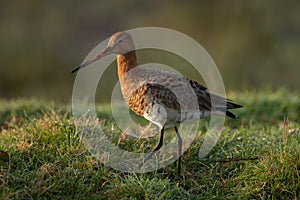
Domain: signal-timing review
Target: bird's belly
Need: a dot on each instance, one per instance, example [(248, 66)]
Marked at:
[(161, 116), (164, 117)]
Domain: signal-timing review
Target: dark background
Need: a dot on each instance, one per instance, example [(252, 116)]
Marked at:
[(255, 44)]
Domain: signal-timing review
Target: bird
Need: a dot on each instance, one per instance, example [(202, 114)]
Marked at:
[(164, 98)]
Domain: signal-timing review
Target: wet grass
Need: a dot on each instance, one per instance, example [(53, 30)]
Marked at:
[(48, 160)]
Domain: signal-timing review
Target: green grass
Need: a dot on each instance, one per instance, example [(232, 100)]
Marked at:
[(48, 160)]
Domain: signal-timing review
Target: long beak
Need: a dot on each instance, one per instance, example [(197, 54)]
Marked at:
[(103, 53)]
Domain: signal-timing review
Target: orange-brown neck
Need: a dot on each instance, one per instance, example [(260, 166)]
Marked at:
[(126, 62)]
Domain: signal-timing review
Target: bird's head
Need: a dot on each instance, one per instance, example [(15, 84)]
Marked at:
[(119, 43)]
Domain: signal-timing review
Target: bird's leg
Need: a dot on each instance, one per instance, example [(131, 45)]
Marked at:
[(158, 146), (179, 152)]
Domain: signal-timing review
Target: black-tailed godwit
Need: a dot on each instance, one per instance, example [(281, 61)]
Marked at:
[(162, 97)]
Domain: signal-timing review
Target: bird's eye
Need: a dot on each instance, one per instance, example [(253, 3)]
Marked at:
[(120, 41)]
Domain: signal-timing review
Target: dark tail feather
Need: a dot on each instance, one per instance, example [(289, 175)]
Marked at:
[(231, 105), (231, 115)]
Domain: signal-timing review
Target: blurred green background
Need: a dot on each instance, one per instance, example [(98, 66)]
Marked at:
[(254, 43)]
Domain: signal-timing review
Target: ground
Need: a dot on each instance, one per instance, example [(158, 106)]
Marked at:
[(47, 160)]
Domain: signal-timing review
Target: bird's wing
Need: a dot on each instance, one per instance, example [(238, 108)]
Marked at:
[(205, 99), (203, 95), (150, 93)]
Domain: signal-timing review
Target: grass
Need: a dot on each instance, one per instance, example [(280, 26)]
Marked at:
[(48, 160)]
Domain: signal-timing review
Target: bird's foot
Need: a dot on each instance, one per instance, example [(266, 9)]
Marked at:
[(177, 178)]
